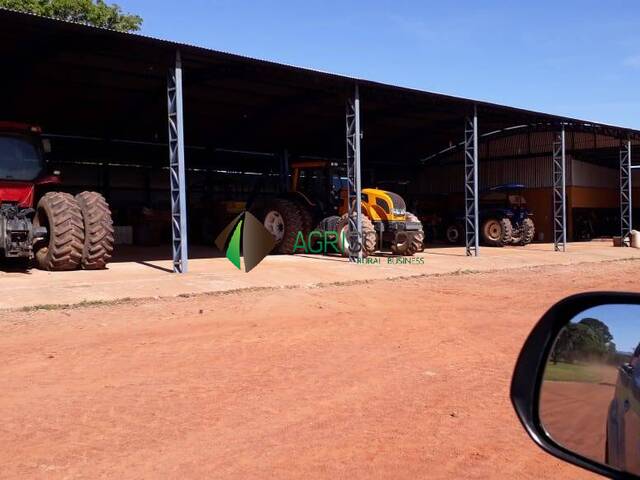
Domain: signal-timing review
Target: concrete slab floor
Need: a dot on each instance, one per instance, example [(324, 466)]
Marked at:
[(139, 272)]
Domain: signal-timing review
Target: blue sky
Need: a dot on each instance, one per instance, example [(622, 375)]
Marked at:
[(576, 58)]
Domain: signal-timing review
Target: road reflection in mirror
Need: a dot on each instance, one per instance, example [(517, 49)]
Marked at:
[(590, 394)]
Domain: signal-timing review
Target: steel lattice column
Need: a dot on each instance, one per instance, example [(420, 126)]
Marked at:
[(354, 185), (625, 192), (559, 193), (471, 185), (176, 167)]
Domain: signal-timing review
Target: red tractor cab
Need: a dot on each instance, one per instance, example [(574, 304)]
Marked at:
[(61, 231), (22, 163)]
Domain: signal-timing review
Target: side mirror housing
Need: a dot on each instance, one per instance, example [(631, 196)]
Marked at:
[(568, 388)]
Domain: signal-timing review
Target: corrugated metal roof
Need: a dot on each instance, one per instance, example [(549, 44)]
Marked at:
[(208, 51)]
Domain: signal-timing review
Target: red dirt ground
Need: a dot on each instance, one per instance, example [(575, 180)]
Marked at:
[(390, 379), (575, 415)]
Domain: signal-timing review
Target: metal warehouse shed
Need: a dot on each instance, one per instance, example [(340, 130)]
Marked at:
[(523, 156), (109, 97)]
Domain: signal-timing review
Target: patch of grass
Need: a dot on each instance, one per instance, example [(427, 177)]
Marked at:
[(67, 306), (44, 306), (572, 372)]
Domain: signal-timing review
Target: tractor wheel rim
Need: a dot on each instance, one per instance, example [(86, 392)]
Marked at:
[(274, 223), (347, 249), (493, 230)]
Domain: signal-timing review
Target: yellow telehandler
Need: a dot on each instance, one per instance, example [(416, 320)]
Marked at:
[(317, 200)]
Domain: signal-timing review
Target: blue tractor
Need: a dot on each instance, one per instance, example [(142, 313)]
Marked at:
[(504, 218)]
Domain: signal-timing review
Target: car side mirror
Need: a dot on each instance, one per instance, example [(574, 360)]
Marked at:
[(571, 387), (46, 145)]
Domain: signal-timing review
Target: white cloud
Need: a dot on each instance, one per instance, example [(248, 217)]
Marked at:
[(632, 61)]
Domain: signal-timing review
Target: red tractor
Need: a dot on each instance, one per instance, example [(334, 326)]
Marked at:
[(62, 232)]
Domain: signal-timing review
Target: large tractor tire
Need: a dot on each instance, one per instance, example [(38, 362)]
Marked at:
[(307, 218), (418, 239), (326, 225), (516, 236), (528, 231), (283, 219), (368, 236), (62, 248), (497, 232), (408, 243), (98, 230), (523, 235), (329, 224), (454, 234), (307, 225)]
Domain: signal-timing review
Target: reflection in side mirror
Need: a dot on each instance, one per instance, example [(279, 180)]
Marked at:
[(576, 385), (590, 394)]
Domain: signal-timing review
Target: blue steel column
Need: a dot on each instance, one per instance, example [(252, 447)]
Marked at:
[(354, 183), (176, 168), (471, 185), (559, 193), (626, 204)]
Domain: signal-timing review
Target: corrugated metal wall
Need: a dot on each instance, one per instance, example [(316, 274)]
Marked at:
[(534, 172), (589, 175), (586, 174)]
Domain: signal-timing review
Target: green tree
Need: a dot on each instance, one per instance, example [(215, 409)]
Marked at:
[(599, 327), (581, 341), (91, 12)]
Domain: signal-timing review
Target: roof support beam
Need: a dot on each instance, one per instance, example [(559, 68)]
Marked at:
[(471, 184), (626, 204), (611, 132), (354, 176), (177, 168), (559, 193)]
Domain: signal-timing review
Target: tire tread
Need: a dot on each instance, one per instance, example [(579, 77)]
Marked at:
[(65, 231), (98, 228)]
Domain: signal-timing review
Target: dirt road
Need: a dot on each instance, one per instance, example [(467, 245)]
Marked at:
[(391, 379), (575, 415)]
